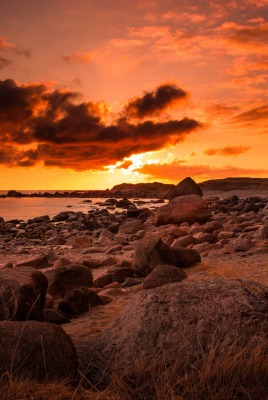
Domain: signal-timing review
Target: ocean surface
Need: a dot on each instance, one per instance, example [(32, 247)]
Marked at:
[(25, 208)]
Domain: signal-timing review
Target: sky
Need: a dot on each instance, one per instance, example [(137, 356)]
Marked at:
[(94, 93)]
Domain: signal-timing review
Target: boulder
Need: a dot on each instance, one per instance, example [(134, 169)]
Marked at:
[(181, 323), (78, 301), (151, 252), (186, 187), (64, 279), (55, 317), (130, 227), (35, 350), (22, 294), (189, 209), (123, 203), (37, 262), (80, 242), (163, 275)]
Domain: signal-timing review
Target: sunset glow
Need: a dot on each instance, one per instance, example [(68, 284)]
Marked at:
[(93, 94)]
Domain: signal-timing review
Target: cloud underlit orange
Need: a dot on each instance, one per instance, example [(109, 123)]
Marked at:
[(149, 73), (66, 133)]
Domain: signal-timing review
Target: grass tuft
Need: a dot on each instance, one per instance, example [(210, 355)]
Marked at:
[(232, 373)]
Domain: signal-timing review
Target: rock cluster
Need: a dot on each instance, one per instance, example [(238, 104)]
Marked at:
[(55, 269)]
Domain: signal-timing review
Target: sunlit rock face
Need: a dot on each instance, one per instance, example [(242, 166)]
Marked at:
[(190, 208)]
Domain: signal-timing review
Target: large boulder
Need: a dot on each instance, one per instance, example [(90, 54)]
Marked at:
[(186, 187), (189, 209), (35, 350), (152, 251), (64, 279), (182, 322), (22, 294)]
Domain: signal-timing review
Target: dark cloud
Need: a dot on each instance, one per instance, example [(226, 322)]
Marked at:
[(227, 151), (154, 102), (62, 131)]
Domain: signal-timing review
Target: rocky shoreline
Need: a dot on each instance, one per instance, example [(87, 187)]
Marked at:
[(81, 270)]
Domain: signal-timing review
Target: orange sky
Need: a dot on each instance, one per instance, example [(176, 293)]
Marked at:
[(96, 93)]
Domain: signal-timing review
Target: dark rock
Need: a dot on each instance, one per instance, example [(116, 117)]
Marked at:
[(54, 317), (163, 275), (182, 323), (64, 279), (102, 280), (151, 252), (186, 187), (22, 294), (37, 263), (78, 301), (123, 203), (38, 351)]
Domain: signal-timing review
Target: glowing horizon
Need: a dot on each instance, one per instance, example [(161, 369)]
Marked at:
[(93, 95)]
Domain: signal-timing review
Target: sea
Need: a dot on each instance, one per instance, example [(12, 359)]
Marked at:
[(24, 208)]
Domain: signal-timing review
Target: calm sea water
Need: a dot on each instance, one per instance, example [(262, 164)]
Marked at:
[(25, 208)]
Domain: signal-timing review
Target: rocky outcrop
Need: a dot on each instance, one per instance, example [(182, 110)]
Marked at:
[(181, 322), (22, 294), (189, 209), (39, 351), (229, 184)]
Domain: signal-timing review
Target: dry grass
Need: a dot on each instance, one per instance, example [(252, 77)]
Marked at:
[(236, 373)]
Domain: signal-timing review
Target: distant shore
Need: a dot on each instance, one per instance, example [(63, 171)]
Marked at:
[(152, 190)]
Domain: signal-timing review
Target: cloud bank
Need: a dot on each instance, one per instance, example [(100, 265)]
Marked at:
[(54, 127)]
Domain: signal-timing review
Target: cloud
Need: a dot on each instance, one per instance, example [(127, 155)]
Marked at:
[(177, 170), (154, 102), (259, 113), (62, 131), (4, 62), (79, 56), (227, 151), (11, 47)]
